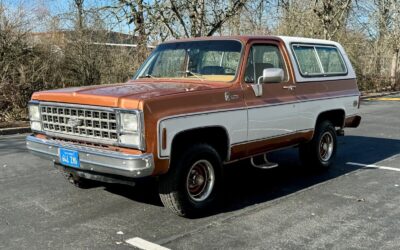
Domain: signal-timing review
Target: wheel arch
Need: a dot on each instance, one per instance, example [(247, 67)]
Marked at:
[(215, 136), (336, 116)]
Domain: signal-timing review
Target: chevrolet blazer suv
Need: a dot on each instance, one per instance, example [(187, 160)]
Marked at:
[(196, 105)]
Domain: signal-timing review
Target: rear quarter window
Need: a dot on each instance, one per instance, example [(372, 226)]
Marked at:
[(318, 60), (331, 60)]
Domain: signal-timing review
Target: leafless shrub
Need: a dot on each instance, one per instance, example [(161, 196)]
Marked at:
[(58, 59)]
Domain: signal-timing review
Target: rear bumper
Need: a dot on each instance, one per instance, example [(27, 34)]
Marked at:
[(95, 160)]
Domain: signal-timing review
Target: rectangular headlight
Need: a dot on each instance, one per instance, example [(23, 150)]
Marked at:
[(131, 129), (34, 112), (34, 117), (129, 122)]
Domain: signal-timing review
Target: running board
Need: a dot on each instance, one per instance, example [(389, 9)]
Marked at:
[(265, 165)]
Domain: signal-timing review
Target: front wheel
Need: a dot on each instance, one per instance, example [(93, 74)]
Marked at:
[(192, 184), (320, 152)]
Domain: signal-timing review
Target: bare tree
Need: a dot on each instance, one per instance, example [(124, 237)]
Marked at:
[(387, 16), (194, 18), (80, 14), (133, 12), (332, 14)]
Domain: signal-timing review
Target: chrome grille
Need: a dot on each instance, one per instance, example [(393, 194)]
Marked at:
[(80, 121)]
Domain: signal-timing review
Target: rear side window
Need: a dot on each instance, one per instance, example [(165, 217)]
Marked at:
[(331, 60), (315, 60)]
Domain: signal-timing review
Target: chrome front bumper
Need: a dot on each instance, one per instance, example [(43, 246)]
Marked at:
[(95, 160)]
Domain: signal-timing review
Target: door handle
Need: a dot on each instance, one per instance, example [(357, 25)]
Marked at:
[(290, 87)]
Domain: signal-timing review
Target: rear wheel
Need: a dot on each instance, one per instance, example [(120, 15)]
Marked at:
[(320, 152), (192, 184)]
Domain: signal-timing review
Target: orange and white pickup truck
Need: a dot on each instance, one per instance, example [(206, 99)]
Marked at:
[(196, 105)]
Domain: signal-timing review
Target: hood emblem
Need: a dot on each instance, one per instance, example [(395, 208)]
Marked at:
[(75, 122)]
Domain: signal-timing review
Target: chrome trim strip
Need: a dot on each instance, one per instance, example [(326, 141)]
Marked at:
[(96, 160)]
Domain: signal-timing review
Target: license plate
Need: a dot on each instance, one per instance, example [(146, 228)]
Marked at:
[(69, 158)]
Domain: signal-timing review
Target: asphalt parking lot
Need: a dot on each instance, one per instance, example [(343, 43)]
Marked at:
[(356, 204)]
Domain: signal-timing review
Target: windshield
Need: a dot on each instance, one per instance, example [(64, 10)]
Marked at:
[(200, 60)]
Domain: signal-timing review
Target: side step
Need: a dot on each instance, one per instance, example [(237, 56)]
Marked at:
[(264, 163)]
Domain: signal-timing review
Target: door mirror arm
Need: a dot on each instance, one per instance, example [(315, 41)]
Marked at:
[(257, 88)]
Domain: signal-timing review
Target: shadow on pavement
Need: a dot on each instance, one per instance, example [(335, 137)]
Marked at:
[(245, 185), (13, 146)]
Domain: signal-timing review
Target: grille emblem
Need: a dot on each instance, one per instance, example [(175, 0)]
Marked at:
[(75, 122)]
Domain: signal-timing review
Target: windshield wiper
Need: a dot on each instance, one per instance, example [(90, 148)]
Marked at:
[(188, 72)]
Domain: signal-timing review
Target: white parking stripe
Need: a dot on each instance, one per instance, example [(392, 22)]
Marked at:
[(373, 166), (144, 244)]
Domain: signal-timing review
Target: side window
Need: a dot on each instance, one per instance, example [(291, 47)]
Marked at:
[(331, 60), (307, 60), (315, 60), (262, 57)]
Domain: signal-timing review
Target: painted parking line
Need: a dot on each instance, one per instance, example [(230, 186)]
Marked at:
[(373, 166), (144, 244), (384, 99)]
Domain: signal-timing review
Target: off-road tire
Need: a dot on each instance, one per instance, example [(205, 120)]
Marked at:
[(174, 188), (312, 153)]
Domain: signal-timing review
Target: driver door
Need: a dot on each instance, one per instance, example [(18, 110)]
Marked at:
[(272, 114)]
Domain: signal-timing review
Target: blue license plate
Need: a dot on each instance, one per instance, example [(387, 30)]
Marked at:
[(69, 158)]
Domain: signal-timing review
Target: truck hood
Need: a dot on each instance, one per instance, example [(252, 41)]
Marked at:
[(126, 95)]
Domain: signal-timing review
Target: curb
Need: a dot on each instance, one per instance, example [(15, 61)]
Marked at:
[(363, 97), (11, 131)]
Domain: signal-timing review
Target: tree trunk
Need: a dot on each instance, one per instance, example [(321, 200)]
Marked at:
[(383, 12), (137, 17), (393, 72), (80, 14)]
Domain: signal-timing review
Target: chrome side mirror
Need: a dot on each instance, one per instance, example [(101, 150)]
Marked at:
[(271, 75)]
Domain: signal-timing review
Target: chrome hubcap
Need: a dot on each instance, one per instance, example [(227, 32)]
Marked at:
[(200, 180), (326, 146)]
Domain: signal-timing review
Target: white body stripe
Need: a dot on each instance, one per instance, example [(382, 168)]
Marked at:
[(307, 112), (233, 121), (256, 123), (271, 121)]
